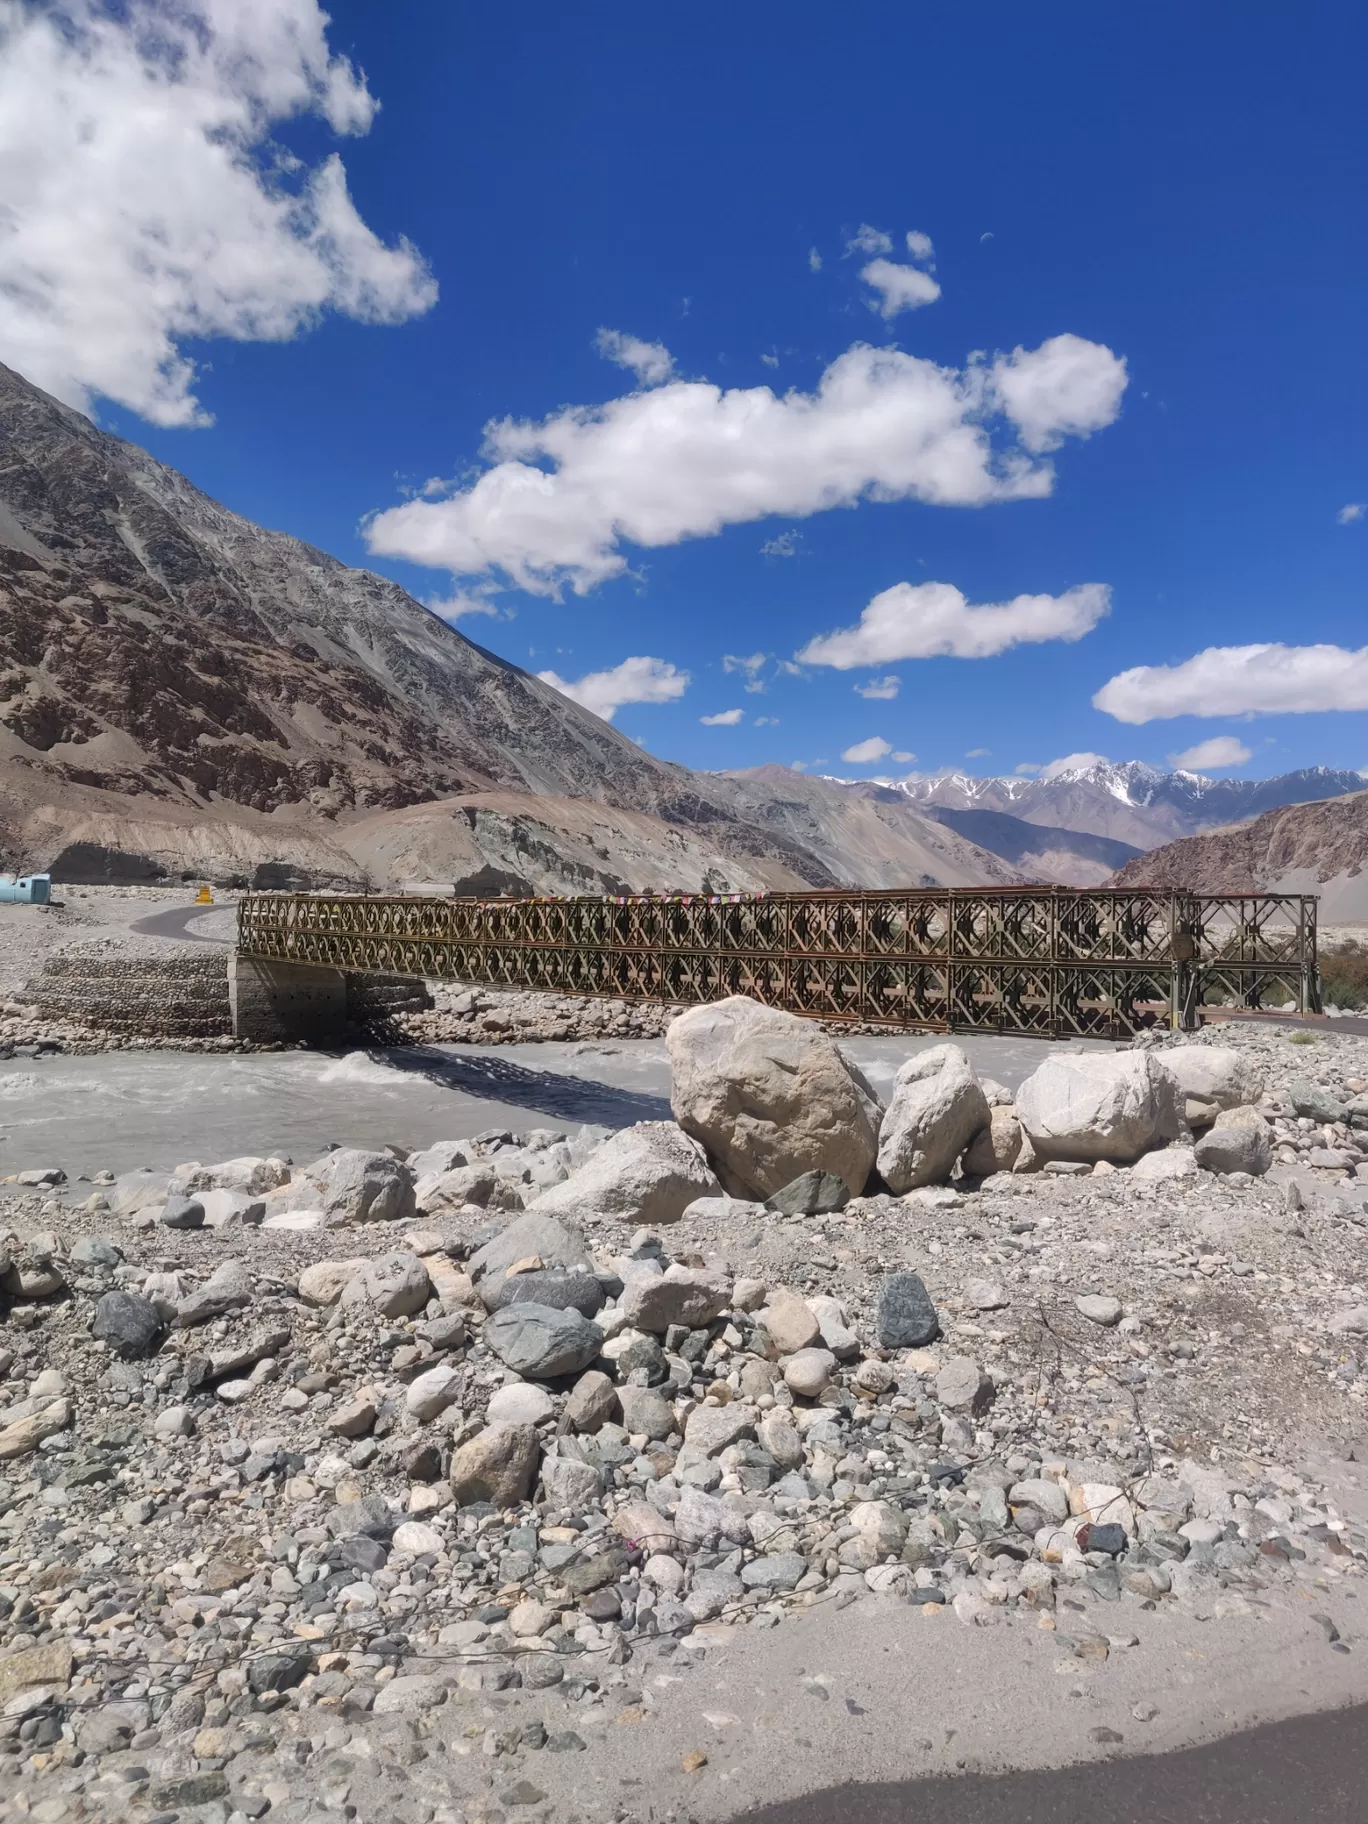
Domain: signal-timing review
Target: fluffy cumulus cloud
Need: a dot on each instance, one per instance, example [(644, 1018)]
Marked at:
[(933, 620), (725, 718), (880, 689), (865, 753), (685, 459), (651, 362), (142, 201), (1058, 390), (1350, 515), (1211, 756), (1266, 680), (901, 287), (637, 680)]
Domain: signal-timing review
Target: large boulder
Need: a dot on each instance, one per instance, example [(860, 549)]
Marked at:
[(1091, 1105), (1239, 1141), (356, 1186), (770, 1096), (649, 1174), (1212, 1077), (937, 1108), (540, 1342)]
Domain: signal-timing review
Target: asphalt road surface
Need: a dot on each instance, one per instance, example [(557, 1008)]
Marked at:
[(176, 923), (1312, 1770)]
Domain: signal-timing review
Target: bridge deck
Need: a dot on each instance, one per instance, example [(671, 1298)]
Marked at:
[(1059, 962)]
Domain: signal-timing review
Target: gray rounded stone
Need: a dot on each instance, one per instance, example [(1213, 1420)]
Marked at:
[(540, 1342)]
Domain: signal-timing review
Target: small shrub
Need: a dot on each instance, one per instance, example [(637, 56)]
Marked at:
[(1344, 976)]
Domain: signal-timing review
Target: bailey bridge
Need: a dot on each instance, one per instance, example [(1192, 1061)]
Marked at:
[(1056, 962)]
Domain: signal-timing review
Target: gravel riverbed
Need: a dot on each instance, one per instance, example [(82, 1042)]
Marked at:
[(296, 1515)]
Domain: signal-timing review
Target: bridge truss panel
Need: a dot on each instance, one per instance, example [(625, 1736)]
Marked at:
[(1058, 962)]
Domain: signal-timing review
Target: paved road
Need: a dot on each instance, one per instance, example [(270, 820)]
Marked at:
[(176, 923), (1313, 1770)]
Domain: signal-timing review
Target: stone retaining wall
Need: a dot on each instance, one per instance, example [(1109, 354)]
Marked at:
[(181, 996)]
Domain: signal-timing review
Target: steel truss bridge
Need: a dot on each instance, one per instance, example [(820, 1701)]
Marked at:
[(1057, 962)]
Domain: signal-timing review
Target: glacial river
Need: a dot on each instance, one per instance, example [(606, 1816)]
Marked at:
[(121, 1110)]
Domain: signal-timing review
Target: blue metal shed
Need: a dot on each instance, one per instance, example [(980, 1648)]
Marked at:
[(28, 889)]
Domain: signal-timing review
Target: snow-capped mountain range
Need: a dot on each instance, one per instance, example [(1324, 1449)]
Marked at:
[(1129, 802)]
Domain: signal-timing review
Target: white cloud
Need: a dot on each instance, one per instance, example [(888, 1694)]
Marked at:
[(1026, 770), (783, 544), (905, 758), (770, 360), (725, 718), (903, 287), (865, 753), (1071, 763), (1206, 756), (900, 287), (767, 721), (750, 663), (869, 240), (1347, 516), (1058, 390), (814, 260), (978, 753), (145, 203), (688, 458), (651, 362), (636, 680), (1265, 680), (933, 620), (880, 689)]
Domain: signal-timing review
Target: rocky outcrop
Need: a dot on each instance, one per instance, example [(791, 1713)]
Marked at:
[(1303, 848)]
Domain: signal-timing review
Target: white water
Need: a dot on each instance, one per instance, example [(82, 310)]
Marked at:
[(125, 1109)]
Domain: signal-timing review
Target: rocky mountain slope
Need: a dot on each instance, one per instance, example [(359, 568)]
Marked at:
[(1302, 848), (1074, 858), (866, 835), (1131, 803), (183, 692)]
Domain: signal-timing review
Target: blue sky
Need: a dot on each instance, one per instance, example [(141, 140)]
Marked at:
[(1177, 189)]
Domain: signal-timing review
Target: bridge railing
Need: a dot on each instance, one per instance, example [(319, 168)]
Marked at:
[(1058, 962)]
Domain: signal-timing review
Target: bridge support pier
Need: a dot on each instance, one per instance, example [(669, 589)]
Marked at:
[(274, 1002)]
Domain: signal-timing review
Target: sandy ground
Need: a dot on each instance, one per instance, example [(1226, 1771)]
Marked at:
[(84, 916)]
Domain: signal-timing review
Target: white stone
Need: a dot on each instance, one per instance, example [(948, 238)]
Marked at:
[(809, 1372), (520, 1403), (1091, 1105), (431, 1392), (1099, 1309), (936, 1109), (770, 1096), (649, 1173), (1219, 1075), (1169, 1162), (417, 1538)]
